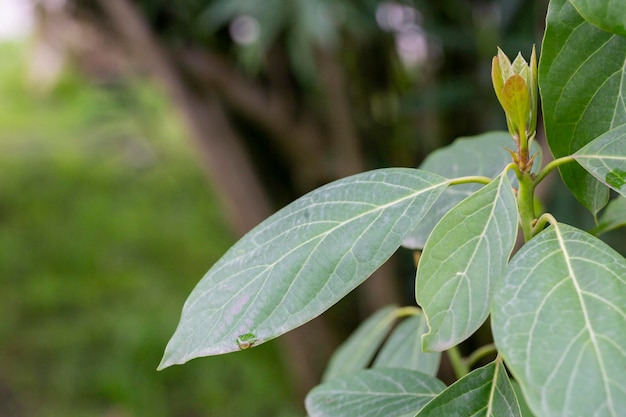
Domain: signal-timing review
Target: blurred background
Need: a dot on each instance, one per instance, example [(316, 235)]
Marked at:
[(140, 138)]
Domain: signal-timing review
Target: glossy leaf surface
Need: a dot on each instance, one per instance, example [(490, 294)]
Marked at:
[(486, 392), (582, 78), (403, 349), (359, 349), (559, 320), (484, 155), (608, 15), (466, 253), (605, 158), (384, 392), (302, 260)]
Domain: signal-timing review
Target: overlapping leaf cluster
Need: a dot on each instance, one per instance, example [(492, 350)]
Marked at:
[(557, 306)]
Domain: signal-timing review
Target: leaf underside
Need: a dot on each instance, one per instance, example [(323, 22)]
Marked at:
[(382, 392), (302, 260), (466, 253), (582, 78), (484, 155), (403, 349), (559, 320), (359, 349)]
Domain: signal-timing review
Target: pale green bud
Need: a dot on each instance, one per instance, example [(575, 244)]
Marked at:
[(515, 85)]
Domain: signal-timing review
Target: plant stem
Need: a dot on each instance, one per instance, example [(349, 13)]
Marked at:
[(458, 364), (541, 222), (522, 150), (525, 203), (470, 180), (480, 353), (407, 311), (551, 166)]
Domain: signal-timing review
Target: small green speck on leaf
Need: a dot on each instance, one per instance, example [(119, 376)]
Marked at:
[(246, 341)]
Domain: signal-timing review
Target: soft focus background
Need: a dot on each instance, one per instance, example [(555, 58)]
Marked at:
[(140, 138), (106, 223)]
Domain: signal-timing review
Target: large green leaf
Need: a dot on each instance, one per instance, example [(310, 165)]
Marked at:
[(403, 349), (582, 78), (466, 253), (484, 155), (612, 217), (608, 15), (485, 392), (301, 261), (559, 320), (605, 158), (383, 392), (358, 351)]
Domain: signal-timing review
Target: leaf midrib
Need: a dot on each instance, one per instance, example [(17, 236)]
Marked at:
[(480, 237), (588, 325), (321, 238), (601, 157)]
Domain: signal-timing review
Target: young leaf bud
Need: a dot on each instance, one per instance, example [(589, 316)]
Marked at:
[(515, 85)]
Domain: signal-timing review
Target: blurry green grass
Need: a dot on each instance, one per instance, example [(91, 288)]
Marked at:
[(106, 224)]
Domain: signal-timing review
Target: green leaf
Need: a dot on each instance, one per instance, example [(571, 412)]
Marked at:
[(403, 349), (525, 410), (464, 256), (485, 392), (613, 217), (516, 100), (384, 392), (605, 158), (605, 14), (302, 260), (582, 78), (559, 320), (484, 155), (358, 351)]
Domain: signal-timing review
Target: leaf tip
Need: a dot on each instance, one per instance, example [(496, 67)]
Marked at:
[(165, 363)]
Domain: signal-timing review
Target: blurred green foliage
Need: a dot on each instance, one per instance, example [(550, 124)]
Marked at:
[(106, 223)]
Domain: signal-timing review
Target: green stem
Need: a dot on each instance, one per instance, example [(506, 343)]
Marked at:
[(525, 203), (541, 222), (480, 353), (458, 364), (551, 166), (470, 180), (407, 311)]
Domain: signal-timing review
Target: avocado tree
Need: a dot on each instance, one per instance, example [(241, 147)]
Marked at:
[(557, 302)]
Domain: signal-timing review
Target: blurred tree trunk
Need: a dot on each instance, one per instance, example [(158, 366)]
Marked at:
[(206, 88), (223, 158)]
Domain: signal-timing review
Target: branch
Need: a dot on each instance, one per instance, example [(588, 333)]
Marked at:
[(255, 103), (224, 159), (299, 139), (346, 143)]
